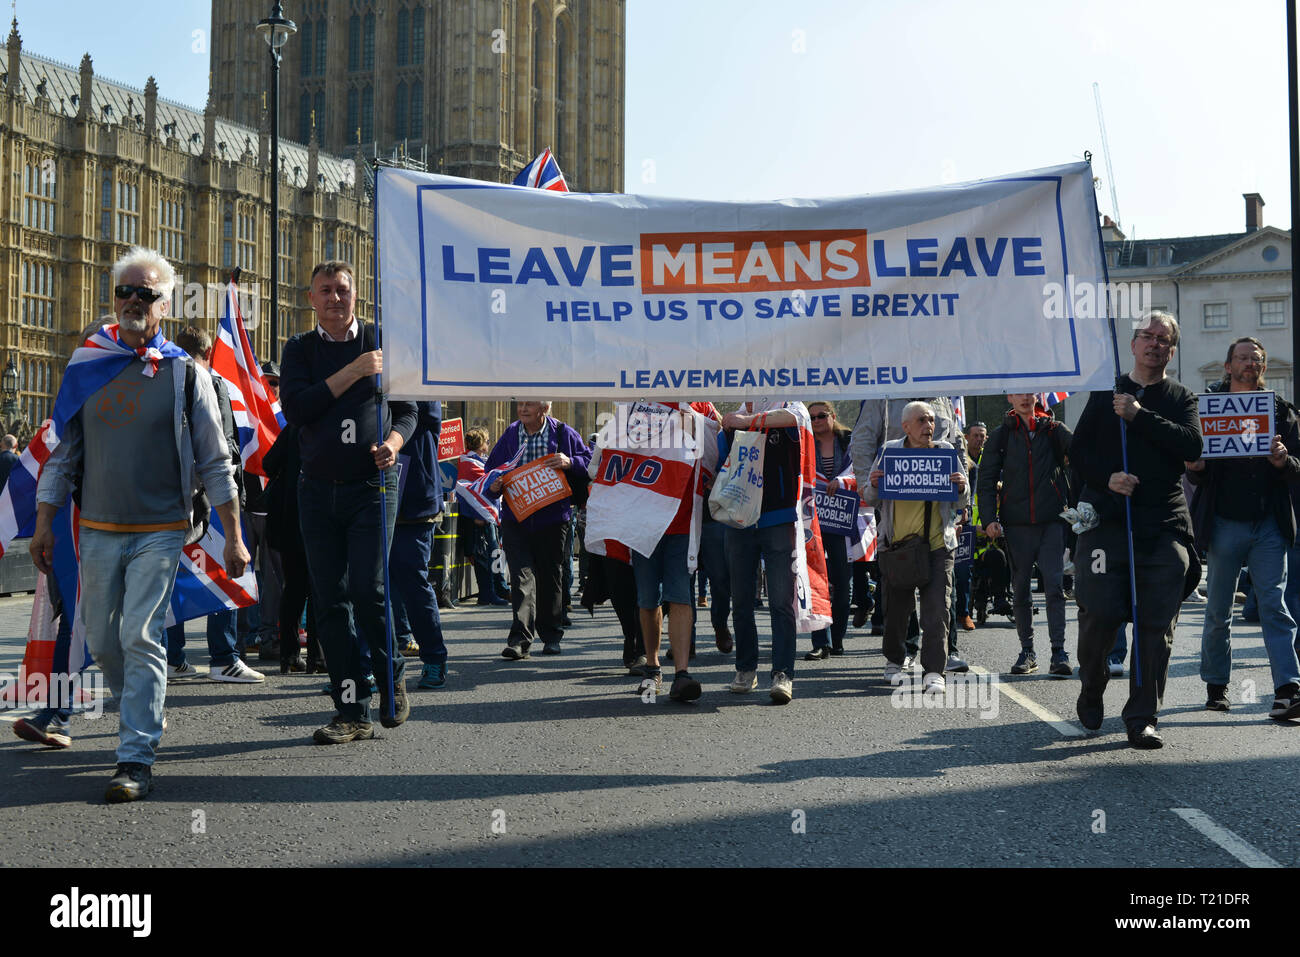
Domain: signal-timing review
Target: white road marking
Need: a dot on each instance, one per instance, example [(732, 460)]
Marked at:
[(1063, 727), (1242, 850)]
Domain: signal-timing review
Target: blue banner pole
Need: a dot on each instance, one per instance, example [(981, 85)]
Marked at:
[(390, 706)]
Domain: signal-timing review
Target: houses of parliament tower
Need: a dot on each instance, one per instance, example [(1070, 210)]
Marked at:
[(472, 88)]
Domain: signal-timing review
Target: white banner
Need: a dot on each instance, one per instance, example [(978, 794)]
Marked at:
[(495, 291)]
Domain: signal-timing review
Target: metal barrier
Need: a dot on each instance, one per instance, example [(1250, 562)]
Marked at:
[(17, 573)]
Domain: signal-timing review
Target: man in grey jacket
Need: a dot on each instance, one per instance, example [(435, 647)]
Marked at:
[(136, 489)]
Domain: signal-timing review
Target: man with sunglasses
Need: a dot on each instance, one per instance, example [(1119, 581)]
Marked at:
[(134, 457), (1163, 430)]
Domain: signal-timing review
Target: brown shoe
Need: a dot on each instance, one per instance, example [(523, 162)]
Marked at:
[(703, 601), (967, 624), (722, 638)]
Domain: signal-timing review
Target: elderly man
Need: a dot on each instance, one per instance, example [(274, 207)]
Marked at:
[(895, 521), (1163, 432), (1242, 514), (328, 389), (129, 394), (8, 457), (534, 546)]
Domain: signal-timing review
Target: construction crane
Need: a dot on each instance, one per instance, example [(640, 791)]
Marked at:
[(1105, 149)]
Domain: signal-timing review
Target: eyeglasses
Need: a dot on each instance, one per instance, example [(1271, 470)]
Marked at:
[(144, 292), (1158, 340), (821, 415)]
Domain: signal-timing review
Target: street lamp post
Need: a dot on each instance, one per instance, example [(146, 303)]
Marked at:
[(275, 30), (9, 408)]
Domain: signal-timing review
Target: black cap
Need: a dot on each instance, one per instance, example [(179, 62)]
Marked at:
[(271, 369)]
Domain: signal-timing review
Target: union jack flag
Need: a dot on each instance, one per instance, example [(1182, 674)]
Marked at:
[(257, 413), (959, 411), (473, 483), (1049, 399), (543, 173)]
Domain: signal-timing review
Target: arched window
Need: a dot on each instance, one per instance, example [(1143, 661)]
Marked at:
[(367, 115), (307, 49), (320, 47), (403, 37), (320, 114), (400, 109), (368, 43), (417, 111), (417, 36), (304, 117), (354, 116), (354, 43)]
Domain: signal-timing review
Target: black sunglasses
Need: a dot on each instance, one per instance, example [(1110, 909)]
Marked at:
[(144, 292), (821, 415)]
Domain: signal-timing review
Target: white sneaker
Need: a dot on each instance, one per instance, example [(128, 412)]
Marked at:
[(237, 672), (181, 672), (1116, 668), (1196, 598), (782, 688), (744, 682), (957, 664), (893, 673), (934, 682), (909, 662)]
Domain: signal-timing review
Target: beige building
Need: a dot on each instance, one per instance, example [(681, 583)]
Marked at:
[(471, 88), (91, 167)]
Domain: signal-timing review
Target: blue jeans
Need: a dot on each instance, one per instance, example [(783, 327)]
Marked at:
[(713, 566), (344, 540), (126, 585), (221, 641), (1293, 588), (775, 545), (415, 606), (1258, 544)]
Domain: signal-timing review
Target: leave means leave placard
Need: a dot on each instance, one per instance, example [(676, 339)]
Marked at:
[(1235, 424)]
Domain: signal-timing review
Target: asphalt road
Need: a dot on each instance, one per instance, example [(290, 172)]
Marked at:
[(554, 761)]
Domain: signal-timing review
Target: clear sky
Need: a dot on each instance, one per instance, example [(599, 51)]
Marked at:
[(762, 99)]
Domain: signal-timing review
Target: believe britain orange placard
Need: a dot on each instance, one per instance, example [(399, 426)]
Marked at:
[(532, 487)]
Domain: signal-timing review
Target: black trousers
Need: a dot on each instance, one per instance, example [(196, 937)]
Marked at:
[(536, 562), (1101, 587)]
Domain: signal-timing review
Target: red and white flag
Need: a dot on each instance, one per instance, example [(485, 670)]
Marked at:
[(652, 456)]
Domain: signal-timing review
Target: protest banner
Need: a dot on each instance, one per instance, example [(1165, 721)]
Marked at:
[(918, 475), (451, 440), (1235, 424), (531, 487), (493, 291), (965, 547), (837, 513)]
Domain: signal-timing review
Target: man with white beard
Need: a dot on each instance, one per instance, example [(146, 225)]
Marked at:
[(135, 442)]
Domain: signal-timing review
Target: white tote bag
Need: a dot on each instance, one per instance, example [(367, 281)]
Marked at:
[(737, 496)]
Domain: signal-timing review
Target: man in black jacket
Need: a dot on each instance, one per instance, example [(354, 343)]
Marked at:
[(1163, 432), (1242, 514), (1027, 455), (328, 389)]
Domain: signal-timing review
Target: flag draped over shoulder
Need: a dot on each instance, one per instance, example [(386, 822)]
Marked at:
[(258, 419), (812, 596), (543, 173), (472, 484), (652, 456), (92, 366)]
